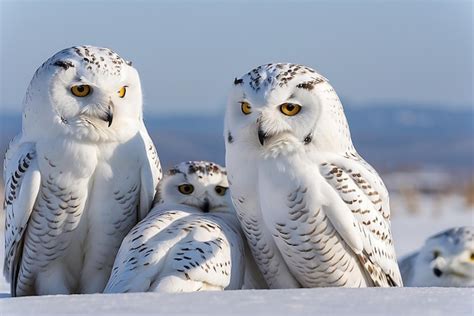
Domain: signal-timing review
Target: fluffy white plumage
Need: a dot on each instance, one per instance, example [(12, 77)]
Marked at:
[(446, 259), (190, 241), (80, 175), (314, 212)]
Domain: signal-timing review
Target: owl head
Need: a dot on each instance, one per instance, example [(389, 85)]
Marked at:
[(285, 108), (89, 93), (199, 184), (448, 258)]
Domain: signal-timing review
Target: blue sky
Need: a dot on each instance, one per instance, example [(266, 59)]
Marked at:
[(188, 52)]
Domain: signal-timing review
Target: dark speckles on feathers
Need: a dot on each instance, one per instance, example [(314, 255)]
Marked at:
[(202, 168), (173, 171), (64, 64), (270, 76), (230, 138), (309, 85), (93, 58)]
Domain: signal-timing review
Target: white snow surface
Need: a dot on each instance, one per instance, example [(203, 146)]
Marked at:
[(320, 301)]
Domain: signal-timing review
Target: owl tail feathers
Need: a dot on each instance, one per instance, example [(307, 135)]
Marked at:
[(375, 273), (175, 284)]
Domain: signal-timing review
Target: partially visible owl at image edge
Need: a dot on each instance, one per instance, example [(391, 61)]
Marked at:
[(445, 260), (79, 176), (314, 212)]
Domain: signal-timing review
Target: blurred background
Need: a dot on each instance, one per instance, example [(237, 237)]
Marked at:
[(403, 69)]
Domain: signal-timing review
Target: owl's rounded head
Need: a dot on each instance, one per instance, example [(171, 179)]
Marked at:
[(87, 92), (283, 108), (199, 184), (447, 259)]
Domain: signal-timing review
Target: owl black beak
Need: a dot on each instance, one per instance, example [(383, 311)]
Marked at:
[(110, 118), (109, 114), (205, 206), (261, 135), (437, 272)]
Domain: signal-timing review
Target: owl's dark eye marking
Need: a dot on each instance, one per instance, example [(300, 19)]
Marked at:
[(471, 258), (436, 254), (186, 188), (220, 190)]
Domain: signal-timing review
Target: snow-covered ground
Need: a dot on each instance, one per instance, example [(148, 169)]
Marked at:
[(331, 301)]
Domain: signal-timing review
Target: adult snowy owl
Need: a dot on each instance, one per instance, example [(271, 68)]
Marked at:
[(80, 174), (446, 259), (314, 212), (190, 240)]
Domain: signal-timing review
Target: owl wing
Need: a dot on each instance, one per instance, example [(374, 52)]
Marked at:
[(171, 244), (204, 257), (355, 188), (253, 278), (150, 175), (268, 258), (406, 268), (140, 255), (22, 182)]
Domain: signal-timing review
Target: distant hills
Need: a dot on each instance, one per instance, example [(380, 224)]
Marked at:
[(394, 137), (390, 137)]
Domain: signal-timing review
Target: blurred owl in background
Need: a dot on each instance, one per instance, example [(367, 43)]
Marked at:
[(445, 260)]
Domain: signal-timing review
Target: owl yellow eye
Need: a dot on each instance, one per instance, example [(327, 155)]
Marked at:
[(220, 190), (290, 109), (122, 91), (186, 189), (81, 90), (471, 258), (246, 108)]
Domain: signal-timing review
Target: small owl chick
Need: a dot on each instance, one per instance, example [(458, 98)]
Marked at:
[(190, 241), (446, 260)]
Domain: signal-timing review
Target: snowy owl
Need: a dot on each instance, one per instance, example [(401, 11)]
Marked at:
[(80, 175), (314, 212), (190, 241), (446, 259)]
